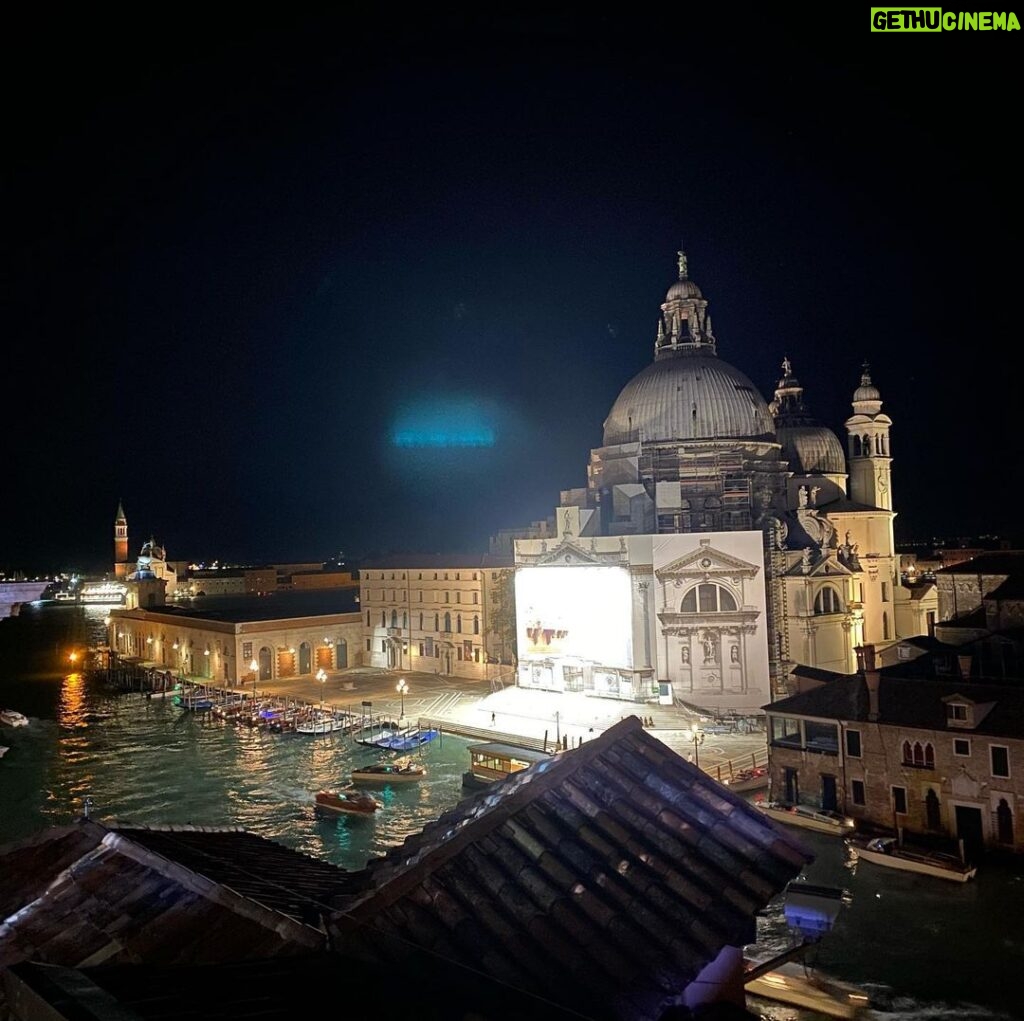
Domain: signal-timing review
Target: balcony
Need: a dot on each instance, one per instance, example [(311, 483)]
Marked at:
[(394, 632)]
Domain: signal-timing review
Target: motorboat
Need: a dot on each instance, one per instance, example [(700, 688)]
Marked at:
[(399, 771), (890, 853), (818, 819), (753, 778), (792, 983), (347, 801), (13, 718)]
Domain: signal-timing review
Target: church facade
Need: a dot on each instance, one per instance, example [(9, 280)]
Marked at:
[(770, 499)]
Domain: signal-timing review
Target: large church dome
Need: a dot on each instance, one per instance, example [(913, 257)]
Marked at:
[(688, 393), (693, 395)]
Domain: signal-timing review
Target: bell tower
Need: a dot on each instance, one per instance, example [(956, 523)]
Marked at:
[(868, 446), (120, 543)]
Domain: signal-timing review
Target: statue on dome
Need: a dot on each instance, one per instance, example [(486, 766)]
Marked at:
[(682, 264)]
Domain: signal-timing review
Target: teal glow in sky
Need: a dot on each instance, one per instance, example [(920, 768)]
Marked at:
[(443, 423)]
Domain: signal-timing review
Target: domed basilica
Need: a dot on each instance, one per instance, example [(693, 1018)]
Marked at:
[(752, 541)]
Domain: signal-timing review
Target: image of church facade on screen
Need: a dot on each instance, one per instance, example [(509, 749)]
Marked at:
[(721, 539), (643, 616)]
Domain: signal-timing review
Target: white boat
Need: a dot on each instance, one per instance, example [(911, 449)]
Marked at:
[(324, 725), (13, 718), (809, 818), (793, 984), (399, 771), (887, 851)]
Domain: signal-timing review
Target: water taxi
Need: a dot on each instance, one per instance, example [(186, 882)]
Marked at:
[(818, 819), (890, 853), (493, 761), (346, 802), (399, 771), (13, 718)]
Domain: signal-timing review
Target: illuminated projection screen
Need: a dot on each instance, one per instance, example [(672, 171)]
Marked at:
[(578, 613)]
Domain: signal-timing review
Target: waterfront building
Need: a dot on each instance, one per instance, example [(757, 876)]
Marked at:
[(933, 756), (219, 643), (438, 614), (691, 447)]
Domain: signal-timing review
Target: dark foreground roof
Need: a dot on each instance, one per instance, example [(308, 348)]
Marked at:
[(85, 894), (602, 880)]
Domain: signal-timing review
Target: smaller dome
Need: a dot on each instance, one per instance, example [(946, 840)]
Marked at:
[(812, 450), (683, 289), (867, 393)]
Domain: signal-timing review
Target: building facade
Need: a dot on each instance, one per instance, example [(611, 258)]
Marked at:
[(224, 651), (691, 446), (436, 614), (932, 757)]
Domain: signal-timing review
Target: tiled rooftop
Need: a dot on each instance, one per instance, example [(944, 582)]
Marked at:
[(604, 879)]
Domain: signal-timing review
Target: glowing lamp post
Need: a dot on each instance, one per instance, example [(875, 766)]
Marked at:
[(696, 735), (402, 688), (255, 668), (321, 676)]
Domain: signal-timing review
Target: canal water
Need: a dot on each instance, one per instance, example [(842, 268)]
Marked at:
[(923, 948)]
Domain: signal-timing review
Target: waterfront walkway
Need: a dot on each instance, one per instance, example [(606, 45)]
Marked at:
[(541, 719)]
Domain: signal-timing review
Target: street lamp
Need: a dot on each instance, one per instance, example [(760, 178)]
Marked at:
[(402, 688), (255, 668), (321, 676), (696, 735)]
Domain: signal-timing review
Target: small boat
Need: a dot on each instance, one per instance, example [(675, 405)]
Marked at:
[(323, 725), (818, 819), (751, 779), (399, 771), (346, 802), (13, 718), (3, 750), (793, 984), (888, 851)]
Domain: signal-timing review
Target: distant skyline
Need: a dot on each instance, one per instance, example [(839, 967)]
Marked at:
[(330, 283)]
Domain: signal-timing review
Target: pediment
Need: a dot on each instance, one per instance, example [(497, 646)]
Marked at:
[(570, 553), (708, 561), (830, 567)]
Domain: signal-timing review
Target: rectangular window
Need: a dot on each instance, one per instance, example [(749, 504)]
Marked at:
[(885, 592), (367, 644), (853, 744), (956, 711), (421, 648), (857, 792), (961, 747), (247, 651), (1000, 756), (899, 800)]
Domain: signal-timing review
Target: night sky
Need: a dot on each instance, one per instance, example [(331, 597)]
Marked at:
[(251, 268)]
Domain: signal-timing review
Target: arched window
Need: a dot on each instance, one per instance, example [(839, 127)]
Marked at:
[(856, 446), (931, 808), (827, 601), (908, 754), (421, 621), (447, 622), (394, 618), (918, 754), (437, 623), (866, 448), (929, 755), (383, 618), (708, 598), (1004, 822), (458, 623), (405, 619), (476, 625)]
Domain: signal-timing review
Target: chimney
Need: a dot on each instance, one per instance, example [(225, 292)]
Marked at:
[(965, 665), (866, 661)]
